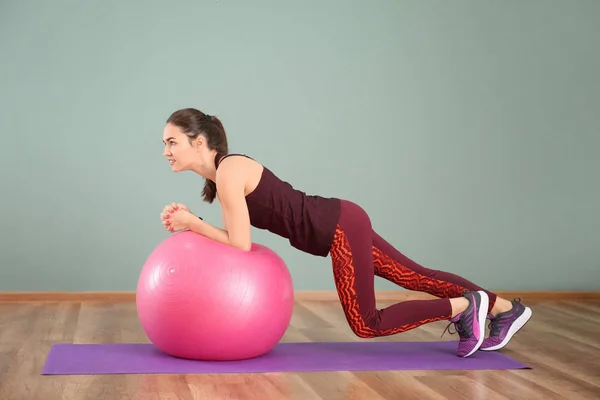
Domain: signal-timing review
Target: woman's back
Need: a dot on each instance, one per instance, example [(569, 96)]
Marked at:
[(307, 221)]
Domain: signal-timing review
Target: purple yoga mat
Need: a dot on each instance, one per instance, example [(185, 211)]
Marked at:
[(94, 359)]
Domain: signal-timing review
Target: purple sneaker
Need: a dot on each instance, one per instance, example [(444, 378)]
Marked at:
[(470, 324), (505, 325)]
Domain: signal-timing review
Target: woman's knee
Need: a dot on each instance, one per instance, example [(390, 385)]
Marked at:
[(364, 326), (363, 331)]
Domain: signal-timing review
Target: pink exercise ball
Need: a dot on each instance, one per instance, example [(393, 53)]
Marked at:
[(203, 300)]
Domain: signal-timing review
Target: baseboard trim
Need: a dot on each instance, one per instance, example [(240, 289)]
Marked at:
[(302, 295), (67, 296)]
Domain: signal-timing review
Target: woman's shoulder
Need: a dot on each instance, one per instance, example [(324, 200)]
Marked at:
[(239, 168), (234, 161)]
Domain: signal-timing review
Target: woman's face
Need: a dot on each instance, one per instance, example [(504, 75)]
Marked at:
[(181, 154)]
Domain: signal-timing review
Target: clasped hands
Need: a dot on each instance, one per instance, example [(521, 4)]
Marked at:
[(176, 217)]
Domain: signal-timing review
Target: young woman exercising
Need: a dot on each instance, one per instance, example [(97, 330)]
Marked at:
[(251, 195)]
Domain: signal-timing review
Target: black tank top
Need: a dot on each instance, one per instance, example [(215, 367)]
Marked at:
[(307, 221)]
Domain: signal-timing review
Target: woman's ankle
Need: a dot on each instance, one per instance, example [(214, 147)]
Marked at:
[(459, 304), (501, 305)]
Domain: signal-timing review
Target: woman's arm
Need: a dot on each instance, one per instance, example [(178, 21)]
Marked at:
[(236, 219), (205, 229), (222, 213)]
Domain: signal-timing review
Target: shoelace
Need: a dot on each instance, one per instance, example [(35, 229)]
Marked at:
[(461, 329)]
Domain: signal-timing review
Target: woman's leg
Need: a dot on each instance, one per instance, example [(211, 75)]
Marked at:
[(395, 267), (507, 318), (354, 274)]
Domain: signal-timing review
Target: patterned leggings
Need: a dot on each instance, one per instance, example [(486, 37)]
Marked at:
[(359, 254)]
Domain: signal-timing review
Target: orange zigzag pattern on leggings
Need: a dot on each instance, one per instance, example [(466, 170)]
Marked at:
[(390, 269), (385, 267)]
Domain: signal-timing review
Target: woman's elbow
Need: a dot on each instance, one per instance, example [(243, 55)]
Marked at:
[(242, 245), (245, 247)]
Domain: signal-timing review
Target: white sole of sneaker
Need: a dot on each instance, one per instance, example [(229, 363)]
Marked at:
[(481, 316), (514, 328)]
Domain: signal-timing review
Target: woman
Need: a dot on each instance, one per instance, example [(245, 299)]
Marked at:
[(251, 195)]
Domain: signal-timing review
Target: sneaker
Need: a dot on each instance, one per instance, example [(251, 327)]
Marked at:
[(505, 325), (470, 324)]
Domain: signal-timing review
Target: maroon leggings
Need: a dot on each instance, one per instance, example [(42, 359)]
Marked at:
[(359, 254)]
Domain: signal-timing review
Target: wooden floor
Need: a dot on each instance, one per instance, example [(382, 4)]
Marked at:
[(561, 343)]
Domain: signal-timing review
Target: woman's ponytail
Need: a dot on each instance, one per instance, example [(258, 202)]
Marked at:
[(210, 191)]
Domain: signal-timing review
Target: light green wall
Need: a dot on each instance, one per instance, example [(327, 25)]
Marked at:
[(469, 130)]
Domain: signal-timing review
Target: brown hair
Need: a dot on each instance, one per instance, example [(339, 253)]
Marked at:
[(193, 123)]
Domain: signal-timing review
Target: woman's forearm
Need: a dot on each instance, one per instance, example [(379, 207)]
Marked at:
[(205, 229)]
